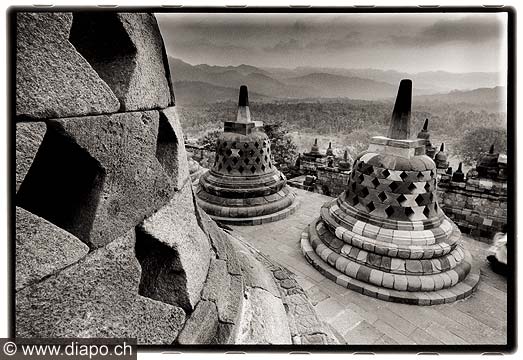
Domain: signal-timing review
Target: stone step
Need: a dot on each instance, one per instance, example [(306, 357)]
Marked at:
[(459, 291)]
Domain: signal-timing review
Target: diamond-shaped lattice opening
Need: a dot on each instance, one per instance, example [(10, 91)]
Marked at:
[(389, 210), (370, 207), (385, 173), (246, 161), (401, 199), (427, 187), (409, 212), (240, 169), (228, 168), (256, 144), (420, 200), (228, 152), (270, 165), (426, 212), (364, 192), (265, 158), (431, 173), (103, 41), (240, 153), (412, 187), (435, 206), (257, 160), (263, 167), (235, 160), (253, 169), (375, 182), (393, 186), (420, 175), (63, 185), (233, 145), (167, 147), (261, 151), (382, 196), (160, 269), (361, 178), (403, 175), (220, 166)]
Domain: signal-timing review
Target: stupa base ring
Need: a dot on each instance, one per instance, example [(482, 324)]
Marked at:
[(258, 220), (459, 291)]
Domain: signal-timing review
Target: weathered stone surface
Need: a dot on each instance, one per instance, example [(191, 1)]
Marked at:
[(177, 279), (97, 297), (264, 320), (29, 136), (97, 176), (171, 150), (126, 49), (202, 326), (42, 248), (254, 273), (52, 78)]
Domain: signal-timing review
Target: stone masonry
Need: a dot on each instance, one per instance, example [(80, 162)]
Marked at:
[(110, 241)]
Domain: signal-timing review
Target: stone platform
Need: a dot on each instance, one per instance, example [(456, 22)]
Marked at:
[(479, 319)]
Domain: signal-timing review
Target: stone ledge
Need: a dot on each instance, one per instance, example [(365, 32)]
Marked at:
[(457, 292)]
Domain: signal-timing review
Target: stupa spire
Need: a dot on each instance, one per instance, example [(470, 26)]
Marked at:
[(426, 125), (491, 151), (400, 120), (244, 114)]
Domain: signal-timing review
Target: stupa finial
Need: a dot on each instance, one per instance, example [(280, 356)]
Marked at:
[(442, 147), (491, 151), (400, 121), (426, 125), (244, 96)]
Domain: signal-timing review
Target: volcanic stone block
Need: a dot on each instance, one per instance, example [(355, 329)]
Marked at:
[(42, 248), (264, 320), (202, 326), (170, 150), (126, 49), (29, 136), (97, 297), (52, 78), (97, 176), (174, 253)]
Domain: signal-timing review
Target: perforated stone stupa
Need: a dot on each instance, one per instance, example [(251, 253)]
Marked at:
[(244, 187), (386, 236)]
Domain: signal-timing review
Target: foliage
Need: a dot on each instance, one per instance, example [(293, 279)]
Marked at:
[(283, 148), (208, 140), (476, 141)]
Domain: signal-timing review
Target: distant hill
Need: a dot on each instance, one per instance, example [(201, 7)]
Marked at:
[(199, 93), (491, 99), (212, 83), (330, 86)]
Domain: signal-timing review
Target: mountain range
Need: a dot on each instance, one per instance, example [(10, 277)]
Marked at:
[(199, 84)]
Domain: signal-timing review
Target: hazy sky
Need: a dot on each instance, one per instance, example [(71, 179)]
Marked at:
[(404, 42)]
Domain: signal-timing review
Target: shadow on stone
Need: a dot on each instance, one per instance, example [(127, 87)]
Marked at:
[(167, 147), (105, 44), (63, 185), (163, 277)]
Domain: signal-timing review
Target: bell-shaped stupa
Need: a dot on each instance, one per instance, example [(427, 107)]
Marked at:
[(243, 187), (386, 236)]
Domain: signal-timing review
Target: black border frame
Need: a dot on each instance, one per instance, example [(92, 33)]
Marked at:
[(511, 345)]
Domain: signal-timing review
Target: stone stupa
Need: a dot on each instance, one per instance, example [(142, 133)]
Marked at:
[(244, 187), (386, 236)]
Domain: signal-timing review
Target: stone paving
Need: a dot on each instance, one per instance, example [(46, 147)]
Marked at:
[(479, 319)]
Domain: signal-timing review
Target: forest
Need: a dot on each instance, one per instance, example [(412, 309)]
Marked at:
[(349, 124)]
